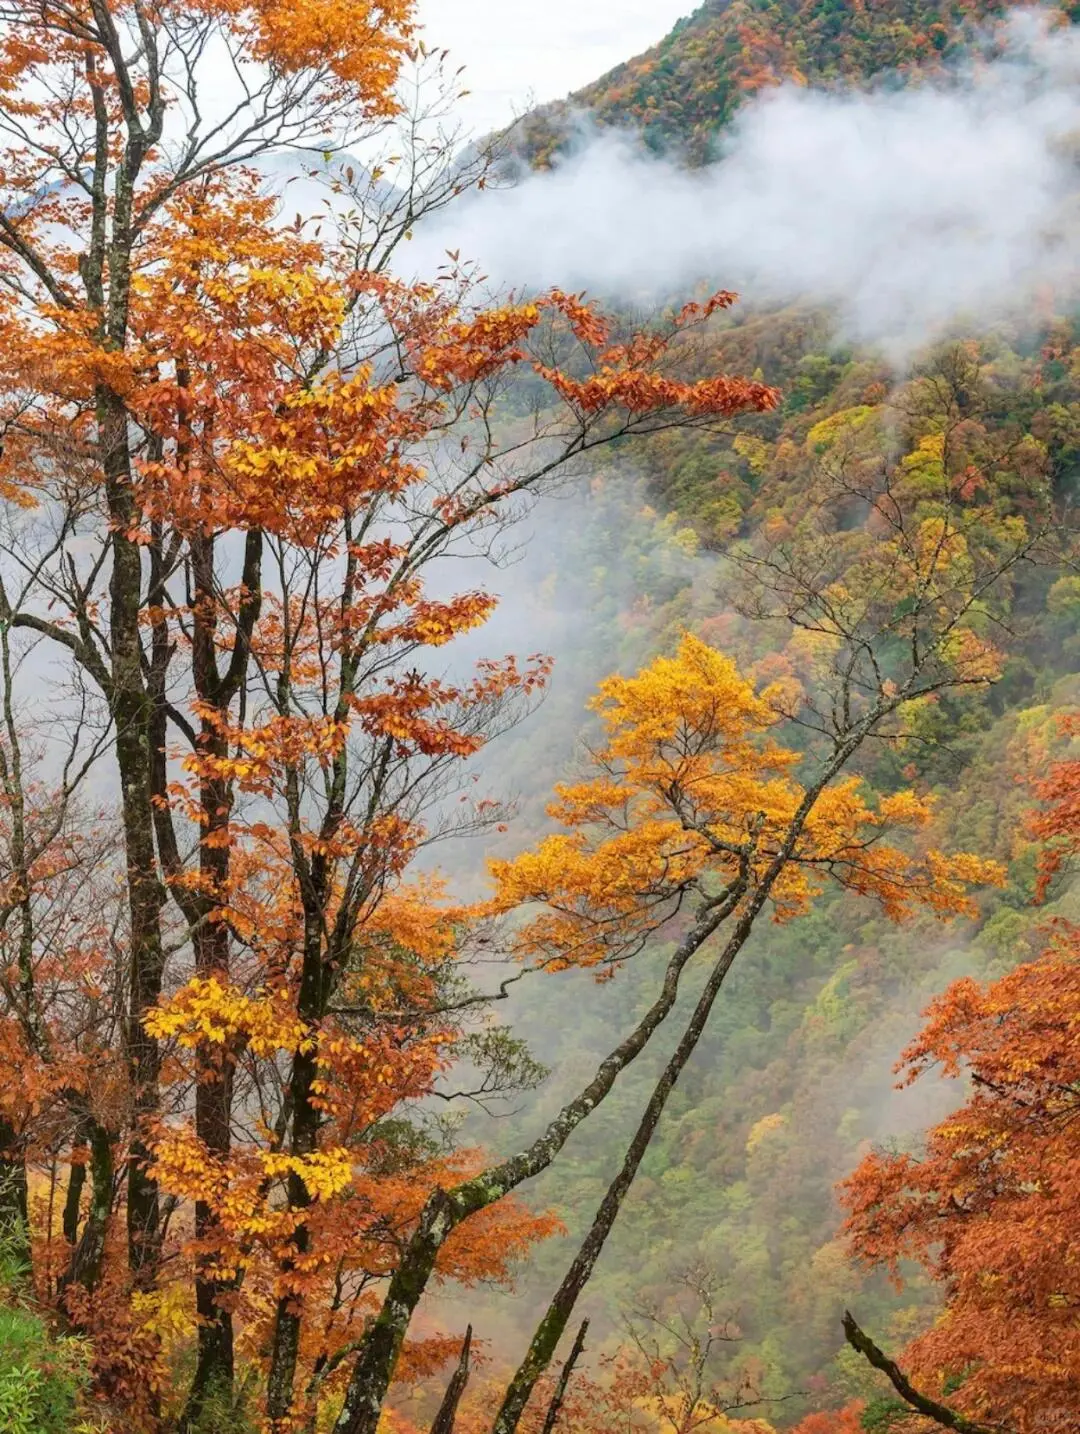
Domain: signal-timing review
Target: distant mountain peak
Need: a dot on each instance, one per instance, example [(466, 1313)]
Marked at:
[(684, 89)]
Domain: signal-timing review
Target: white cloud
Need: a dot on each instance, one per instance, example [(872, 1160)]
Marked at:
[(904, 208)]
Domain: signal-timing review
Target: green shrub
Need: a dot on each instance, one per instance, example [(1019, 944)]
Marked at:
[(41, 1376)]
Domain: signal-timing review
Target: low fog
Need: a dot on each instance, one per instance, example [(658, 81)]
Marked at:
[(907, 209)]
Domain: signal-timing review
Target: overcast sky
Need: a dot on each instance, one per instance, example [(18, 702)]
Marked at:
[(522, 50)]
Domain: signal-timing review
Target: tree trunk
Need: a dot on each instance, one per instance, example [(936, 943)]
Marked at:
[(214, 1369), (551, 1418), (371, 1375), (286, 1345), (131, 710), (306, 1121), (14, 1217), (551, 1327), (76, 1183), (446, 1418), (375, 1363), (916, 1401), (86, 1258), (215, 1365)]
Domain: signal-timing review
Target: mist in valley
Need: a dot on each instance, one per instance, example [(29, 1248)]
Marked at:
[(897, 218), (949, 204), (908, 215)]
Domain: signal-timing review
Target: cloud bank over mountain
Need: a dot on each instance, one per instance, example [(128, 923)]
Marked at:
[(910, 209)]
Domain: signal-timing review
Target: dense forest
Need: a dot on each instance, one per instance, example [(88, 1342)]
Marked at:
[(794, 1080), (681, 92), (403, 1036)]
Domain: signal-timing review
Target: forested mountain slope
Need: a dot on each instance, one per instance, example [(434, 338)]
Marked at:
[(679, 93), (793, 1084)]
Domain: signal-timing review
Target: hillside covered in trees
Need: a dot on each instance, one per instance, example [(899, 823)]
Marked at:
[(683, 91), (794, 1084), (794, 1080), (342, 1093)]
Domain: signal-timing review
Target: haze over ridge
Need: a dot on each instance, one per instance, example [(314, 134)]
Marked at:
[(908, 209)]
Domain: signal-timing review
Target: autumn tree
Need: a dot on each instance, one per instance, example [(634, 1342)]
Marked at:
[(1056, 822), (988, 1208), (663, 1378), (845, 1421), (60, 928), (668, 1366)]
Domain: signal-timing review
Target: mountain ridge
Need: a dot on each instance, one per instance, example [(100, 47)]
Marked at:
[(682, 91)]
